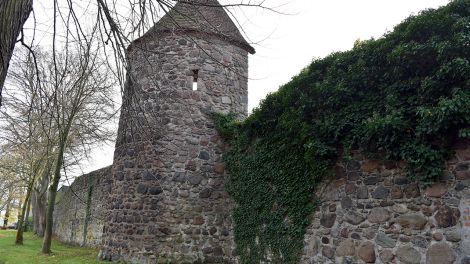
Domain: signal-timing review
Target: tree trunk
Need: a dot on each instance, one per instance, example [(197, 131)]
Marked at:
[(21, 218), (7, 215), (28, 210), (46, 245), (13, 14), (20, 206), (39, 213), (40, 205)]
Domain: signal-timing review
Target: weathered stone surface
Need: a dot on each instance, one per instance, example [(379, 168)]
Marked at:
[(350, 188), (366, 252), (464, 166), (370, 233), (355, 236), (413, 220), (463, 153), (437, 190), (420, 241), (370, 166), (371, 180), (204, 155), (362, 192), (328, 220), (408, 255), (354, 217), (399, 208), (446, 216), (411, 190), (313, 247), (380, 192), (401, 180), (353, 165), (344, 232), (194, 179), (155, 190), (346, 202), (453, 235), (354, 175), (346, 248), (386, 256), (219, 168), (142, 188), (396, 192), (206, 193), (440, 253), (437, 236), (70, 208), (332, 208), (198, 221), (378, 215), (462, 175), (385, 241), (403, 224), (328, 252)]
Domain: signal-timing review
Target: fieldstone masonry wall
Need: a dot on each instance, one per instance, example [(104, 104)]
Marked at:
[(168, 201), (71, 209), (372, 213)]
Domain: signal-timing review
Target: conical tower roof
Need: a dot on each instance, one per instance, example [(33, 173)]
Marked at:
[(205, 16)]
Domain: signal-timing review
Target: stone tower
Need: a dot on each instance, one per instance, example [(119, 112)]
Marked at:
[(168, 203)]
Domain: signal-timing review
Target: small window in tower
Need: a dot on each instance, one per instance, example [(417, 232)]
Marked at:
[(195, 77)]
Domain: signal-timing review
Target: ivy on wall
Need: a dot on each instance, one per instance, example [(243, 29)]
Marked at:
[(406, 95)]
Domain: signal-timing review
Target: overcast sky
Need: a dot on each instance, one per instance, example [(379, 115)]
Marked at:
[(313, 29)]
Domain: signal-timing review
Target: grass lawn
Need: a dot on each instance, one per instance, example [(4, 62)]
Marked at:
[(30, 252)]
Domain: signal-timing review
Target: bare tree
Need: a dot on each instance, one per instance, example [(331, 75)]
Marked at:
[(22, 131), (58, 113), (118, 22)]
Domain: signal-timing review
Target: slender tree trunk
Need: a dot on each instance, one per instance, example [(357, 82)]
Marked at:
[(13, 14), (7, 215), (21, 218), (28, 210), (33, 209), (46, 245), (20, 206)]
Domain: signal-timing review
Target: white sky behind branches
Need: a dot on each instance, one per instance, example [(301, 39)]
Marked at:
[(285, 43)]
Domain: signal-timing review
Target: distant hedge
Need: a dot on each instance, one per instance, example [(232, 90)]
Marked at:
[(406, 96)]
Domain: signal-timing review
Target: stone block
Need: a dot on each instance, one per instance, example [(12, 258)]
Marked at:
[(366, 252), (447, 216), (385, 241), (370, 166), (414, 221), (440, 253), (408, 255), (379, 215), (437, 190), (346, 248)]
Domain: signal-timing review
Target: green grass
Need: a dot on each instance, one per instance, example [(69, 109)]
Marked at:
[(30, 252)]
